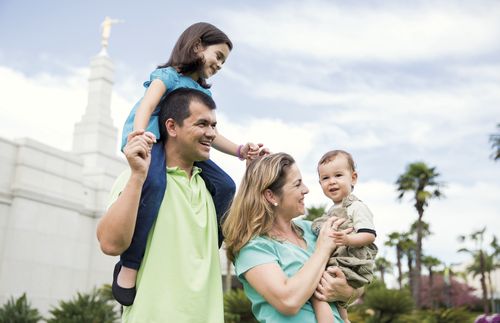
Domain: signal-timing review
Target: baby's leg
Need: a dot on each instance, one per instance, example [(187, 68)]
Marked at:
[(322, 311), (152, 194), (220, 185), (343, 314)]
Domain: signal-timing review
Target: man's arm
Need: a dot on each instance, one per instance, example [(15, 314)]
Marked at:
[(116, 227)]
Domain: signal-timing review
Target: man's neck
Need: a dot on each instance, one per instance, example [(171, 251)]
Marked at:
[(175, 159)]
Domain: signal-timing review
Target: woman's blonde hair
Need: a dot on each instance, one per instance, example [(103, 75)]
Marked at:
[(250, 213)]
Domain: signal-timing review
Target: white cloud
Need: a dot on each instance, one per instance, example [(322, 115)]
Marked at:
[(325, 30)]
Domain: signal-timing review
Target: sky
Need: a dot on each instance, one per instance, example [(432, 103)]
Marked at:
[(391, 82)]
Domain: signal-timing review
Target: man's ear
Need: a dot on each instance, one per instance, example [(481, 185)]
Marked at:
[(171, 127)]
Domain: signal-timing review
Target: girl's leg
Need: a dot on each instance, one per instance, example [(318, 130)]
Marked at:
[(152, 194), (221, 186)]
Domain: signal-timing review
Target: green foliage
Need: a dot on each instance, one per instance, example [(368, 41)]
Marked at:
[(93, 307), (237, 307), (495, 144), (387, 304), (19, 311), (314, 212)]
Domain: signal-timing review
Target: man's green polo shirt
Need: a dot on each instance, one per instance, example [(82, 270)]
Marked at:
[(180, 278)]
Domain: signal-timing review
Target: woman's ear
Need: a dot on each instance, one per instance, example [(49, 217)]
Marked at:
[(270, 197)]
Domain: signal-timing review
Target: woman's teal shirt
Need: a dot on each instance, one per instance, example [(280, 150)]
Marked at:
[(262, 250)]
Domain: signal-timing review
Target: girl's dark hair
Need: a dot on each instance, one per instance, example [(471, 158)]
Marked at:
[(183, 57)]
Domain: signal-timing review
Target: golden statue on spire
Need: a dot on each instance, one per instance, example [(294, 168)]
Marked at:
[(106, 30)]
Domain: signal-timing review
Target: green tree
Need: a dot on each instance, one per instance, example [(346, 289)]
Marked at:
[(430, 263), (422, 182), (484, 262), (19, 311), (478, 254), (382, 265), (408, 247), (93, 307), (495, 144), (395, 239), (237, 307), (314, 212)]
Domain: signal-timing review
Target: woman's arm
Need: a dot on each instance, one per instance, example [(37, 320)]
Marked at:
[(289, 294), (333, 287), (148, 104)]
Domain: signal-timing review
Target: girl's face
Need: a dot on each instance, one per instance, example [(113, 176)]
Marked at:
[(337, 179), (214, 57), (291, 200)]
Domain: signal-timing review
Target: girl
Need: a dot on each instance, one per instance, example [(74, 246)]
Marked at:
[(199, 53)]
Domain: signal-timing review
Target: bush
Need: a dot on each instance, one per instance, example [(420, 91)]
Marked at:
[(388, 304), (19, 311), (90, 308), (237, 307)]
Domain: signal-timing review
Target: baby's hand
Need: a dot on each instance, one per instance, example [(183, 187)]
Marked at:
[(341, 238)]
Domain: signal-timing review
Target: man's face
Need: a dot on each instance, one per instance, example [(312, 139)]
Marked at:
[(197, 133)]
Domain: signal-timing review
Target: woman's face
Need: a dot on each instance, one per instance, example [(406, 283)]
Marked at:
[(291, 200)]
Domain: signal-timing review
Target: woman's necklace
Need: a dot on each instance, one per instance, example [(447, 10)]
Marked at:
[(282, 237)]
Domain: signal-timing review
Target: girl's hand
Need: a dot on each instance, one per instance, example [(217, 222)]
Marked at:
[(250, 151), (138, 153), (150, 136)]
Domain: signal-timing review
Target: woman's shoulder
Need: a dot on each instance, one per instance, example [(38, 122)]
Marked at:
[(302, 223)]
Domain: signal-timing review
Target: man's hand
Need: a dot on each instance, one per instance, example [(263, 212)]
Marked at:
[(138, 151)]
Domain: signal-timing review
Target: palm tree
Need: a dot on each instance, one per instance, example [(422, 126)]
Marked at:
[(314, 212), (430, 262), (488, 263), (382, 265), (408, 247), (395, 240), (479, 264), (421, 181), (495, 144)]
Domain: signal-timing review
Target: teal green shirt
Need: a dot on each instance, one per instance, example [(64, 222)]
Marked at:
[(262, 250), (180, 277)]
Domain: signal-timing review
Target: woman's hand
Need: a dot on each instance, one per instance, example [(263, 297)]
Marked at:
[(333, 287), (325, 241)]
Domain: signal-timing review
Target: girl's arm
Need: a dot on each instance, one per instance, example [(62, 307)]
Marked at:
[(248, 150), (322, 310), (289, 294), (148, 104)]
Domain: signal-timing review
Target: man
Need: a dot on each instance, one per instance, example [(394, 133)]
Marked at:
[(179, 279)]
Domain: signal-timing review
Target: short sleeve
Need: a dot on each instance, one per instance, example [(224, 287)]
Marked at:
[(118, 187), (362, 217), (168, 76), (256, 252)]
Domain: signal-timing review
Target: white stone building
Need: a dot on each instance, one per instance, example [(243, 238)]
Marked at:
[(51, 200)]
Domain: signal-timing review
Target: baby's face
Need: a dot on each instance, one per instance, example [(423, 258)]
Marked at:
[(337, 179)]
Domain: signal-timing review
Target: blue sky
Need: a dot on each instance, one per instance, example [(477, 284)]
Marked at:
[(389, 81)]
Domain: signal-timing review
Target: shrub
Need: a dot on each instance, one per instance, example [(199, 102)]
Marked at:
[(19, 311), (89, 308), (388, 304), (237, 307)]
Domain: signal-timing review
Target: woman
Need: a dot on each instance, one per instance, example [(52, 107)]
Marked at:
[(279, 261)]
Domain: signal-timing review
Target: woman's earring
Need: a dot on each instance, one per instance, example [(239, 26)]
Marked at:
[(275, 204)]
